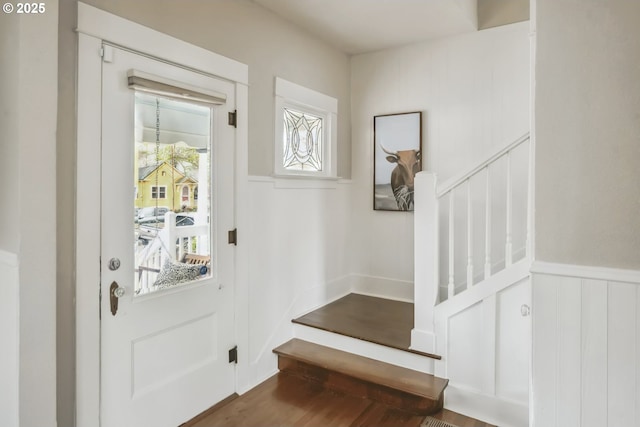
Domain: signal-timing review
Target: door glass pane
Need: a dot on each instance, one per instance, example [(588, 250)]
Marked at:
[(172, 158)]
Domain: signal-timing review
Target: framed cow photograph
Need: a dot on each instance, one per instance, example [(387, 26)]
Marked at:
[(397, 158)]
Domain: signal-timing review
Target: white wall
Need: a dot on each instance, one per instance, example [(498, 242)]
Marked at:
[(30, 109), (586, 347), (473, 91)]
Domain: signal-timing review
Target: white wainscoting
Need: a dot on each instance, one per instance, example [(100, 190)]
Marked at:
[(485, 346), (299, 258), (586, 346), (9, 333)]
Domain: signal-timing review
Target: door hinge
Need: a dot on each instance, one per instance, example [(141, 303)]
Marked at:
[(233, 355), (233, 118), (233, 237)]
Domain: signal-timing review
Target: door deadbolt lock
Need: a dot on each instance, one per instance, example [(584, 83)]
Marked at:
[(115, 292), (114, 264), (525, 310)]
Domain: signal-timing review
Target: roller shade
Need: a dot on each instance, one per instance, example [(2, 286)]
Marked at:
[(145, 82)]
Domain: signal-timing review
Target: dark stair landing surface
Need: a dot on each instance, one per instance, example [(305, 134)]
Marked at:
[(377, 320), (409, 390)]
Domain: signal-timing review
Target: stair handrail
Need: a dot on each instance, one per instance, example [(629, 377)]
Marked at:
[(454, 182)]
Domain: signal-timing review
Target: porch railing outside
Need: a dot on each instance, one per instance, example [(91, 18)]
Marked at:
[(170, 242)]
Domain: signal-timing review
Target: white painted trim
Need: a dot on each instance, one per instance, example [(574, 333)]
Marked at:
[(586, 272), (94, 26), (114, 29), (382, 287), (363, 348), (303, 95), (8, 258), (87, 222), (10, 338), (241, 199), (424, 341), (301, 182), (494, 284), (292, 95), (454, 182)]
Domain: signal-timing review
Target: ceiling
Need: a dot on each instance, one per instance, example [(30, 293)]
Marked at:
[(359, 26)]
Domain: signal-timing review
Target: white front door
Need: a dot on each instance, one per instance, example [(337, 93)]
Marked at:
[(165, 350)]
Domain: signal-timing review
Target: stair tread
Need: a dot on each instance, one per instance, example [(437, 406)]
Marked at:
[(382, 373), (378, 320)]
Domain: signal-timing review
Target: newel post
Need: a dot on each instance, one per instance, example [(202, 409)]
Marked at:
[(425, 261)]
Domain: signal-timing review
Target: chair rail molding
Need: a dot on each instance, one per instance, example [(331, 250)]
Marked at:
[(586, 272)]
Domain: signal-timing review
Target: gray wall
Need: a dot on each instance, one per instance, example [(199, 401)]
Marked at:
[(9, 190), (66, 165), (587, 107), (494, 13)]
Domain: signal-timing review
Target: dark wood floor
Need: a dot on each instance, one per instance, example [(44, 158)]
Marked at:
[(378, 320), (285, 400)]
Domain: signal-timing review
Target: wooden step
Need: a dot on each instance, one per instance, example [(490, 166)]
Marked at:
[(378, 320), (359, 376)]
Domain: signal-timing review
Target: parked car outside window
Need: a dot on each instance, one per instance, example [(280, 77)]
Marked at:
[(152, 214), (149, 230)]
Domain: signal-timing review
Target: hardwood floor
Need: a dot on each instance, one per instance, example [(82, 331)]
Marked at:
[(378, 320), (284, 400)]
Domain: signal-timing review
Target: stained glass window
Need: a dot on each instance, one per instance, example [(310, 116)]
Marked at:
[(302, 141), (305, 132)]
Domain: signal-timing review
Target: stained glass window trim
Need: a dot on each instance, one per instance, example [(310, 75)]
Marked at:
[(305, 132)]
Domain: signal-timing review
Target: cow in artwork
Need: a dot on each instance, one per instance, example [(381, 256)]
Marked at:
[(402, 176)]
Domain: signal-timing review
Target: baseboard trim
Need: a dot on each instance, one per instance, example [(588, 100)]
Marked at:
[(490, 409), (586, 272), (382, 287)]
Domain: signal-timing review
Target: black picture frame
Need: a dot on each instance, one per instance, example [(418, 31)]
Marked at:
[(397, 157)]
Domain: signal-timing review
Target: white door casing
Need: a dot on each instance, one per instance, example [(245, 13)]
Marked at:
[(95, 27), (164, 354)]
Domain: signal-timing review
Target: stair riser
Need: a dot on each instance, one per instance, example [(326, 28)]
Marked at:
[(356, 387), (389, 355)]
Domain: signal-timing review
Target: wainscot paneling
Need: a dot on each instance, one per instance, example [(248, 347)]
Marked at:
[(485, 355), (586, 347), (299, 258), (9, 327)]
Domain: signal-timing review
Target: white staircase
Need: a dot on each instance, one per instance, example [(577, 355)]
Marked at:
[(472, 291)]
